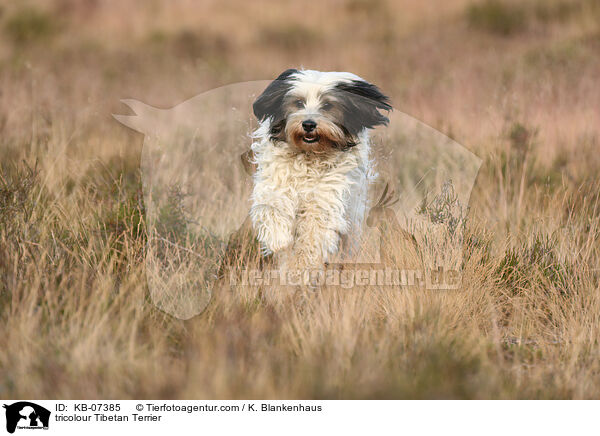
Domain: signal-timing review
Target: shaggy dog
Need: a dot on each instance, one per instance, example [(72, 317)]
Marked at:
[(313, 165)]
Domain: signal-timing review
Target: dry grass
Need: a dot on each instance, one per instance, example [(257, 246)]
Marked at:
[(515, 82)]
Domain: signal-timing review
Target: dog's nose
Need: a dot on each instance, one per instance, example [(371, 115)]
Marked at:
[(309, 125)]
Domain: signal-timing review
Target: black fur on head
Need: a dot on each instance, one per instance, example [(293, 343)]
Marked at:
[(270, 102), (360, 103), (337, 105)]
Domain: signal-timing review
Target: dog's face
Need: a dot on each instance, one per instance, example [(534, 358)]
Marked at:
[(318, 112)]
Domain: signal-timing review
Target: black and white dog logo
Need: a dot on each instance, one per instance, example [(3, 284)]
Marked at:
[(26, 415)]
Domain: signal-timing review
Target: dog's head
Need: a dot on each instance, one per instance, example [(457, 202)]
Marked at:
[(320, 111)]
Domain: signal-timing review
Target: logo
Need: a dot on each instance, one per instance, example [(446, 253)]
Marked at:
[(26, 415), (198, 168)]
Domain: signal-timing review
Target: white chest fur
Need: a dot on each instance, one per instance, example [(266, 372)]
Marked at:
[(303, 204)]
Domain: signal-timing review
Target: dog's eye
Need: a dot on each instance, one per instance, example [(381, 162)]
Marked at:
[(299, 103), (326, 106)]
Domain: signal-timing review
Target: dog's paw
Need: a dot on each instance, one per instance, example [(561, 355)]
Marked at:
[(274, 229), (275, 240), (279, 241)]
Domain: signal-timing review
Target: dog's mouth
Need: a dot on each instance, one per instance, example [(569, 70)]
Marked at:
[(310, 138)]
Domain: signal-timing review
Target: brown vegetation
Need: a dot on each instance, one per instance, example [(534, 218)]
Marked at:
[(515, 82)]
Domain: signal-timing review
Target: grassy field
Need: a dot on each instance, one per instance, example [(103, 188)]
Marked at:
[(516, 82)]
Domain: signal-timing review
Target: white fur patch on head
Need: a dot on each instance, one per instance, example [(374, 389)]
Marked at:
[(312, 84), (324, 78)]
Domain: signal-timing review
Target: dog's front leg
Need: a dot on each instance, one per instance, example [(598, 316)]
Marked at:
[(272, 215), (318, 234), (273, 227)]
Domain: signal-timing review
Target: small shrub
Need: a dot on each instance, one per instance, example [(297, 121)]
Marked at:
[(171, 221), (19, 197), (16, 185), (480, 246), (30, 25), (496, 17), (364, 6), (188, 44), (521, 267), (174, 239), (521, 138), (551, 178), (444, 209), (517, 160), (547, 11), (561, 59), (123, 228), (292, 37)]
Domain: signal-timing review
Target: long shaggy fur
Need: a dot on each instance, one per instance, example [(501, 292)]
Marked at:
[(313, 167)]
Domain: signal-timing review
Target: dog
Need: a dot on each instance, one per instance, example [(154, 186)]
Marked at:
[(311, 157)]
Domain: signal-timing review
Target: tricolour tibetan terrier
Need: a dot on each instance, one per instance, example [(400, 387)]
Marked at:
[(313, 166)]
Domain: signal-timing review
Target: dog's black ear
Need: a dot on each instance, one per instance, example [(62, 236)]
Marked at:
[(361, 102), (270, 102)]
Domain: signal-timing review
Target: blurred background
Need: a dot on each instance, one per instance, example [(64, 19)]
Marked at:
[(461, 66)]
